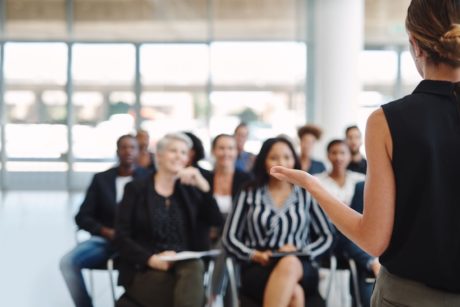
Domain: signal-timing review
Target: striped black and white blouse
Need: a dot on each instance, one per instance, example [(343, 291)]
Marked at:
[(256, 223)]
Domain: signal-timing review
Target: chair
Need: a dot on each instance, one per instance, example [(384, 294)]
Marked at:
[(109, 266), (333, 264)]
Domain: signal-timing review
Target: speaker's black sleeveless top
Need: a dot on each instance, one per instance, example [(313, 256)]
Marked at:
[(425, 130)]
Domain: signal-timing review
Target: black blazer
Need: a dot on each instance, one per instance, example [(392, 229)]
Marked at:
[(99, 206), (133, 227)]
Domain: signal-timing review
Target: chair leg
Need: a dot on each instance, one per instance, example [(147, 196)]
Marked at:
[(232, 281), (208, 280), (91, 284), (332, 271), (112, 285), (355, 281)]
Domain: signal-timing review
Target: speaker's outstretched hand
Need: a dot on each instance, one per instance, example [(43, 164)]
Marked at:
[(297, 177)]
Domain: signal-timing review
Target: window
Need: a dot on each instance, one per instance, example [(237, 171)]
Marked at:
[(174, 83), (35, 75), (103, 99)]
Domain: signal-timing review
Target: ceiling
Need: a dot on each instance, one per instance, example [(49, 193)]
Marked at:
[(187, 20)]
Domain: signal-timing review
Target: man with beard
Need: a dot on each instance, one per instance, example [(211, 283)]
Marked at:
[(354, 141)]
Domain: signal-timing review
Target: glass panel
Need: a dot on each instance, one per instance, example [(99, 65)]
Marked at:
[(378, 71), (103, 64), (161, 20), (164, 112), (35, 63), (378, 67), (410, 75), (268, 114), (27, 19), (35, 75), (185, 64), (174, 81), (258, 64), (103, 99)]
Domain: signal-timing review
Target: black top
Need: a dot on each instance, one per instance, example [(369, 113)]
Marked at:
[(425, 130), (135, 226), (359, 167), (169, 224)]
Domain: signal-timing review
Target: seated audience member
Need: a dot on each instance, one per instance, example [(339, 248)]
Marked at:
[(354, 141), (271, 216), (226, 181), (244, 159), (196, 154), (341, 183), (97, 216), (146, 158), (158, 216), (308, 136)]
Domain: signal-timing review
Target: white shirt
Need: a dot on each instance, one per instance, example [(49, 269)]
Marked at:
[(224, 202), (120, 183), (344, 193)]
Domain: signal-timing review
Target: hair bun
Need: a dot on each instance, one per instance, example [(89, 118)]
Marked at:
[(449, 44), (452, 34)]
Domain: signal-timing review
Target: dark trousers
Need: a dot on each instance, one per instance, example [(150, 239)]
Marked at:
[(254, 278), (180, 286), (391, 290)]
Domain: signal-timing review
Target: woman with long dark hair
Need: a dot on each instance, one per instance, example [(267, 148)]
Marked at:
[(411, 203), (273, 216)]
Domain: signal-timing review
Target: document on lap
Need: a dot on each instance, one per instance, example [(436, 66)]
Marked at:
[(282, 254), (186, 255)]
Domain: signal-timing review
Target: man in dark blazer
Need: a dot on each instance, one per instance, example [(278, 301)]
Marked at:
[(97, 216)]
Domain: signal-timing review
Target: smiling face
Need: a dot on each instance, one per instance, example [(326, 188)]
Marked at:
[(339, 155), (173, 157), (279, 155), (225, 151)]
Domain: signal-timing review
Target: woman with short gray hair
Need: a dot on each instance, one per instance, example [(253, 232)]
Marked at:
[(157, 217)]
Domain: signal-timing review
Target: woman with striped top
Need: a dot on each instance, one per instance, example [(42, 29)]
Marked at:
[(274, 216)]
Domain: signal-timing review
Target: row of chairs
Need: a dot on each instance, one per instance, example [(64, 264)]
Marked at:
[(231, 284)]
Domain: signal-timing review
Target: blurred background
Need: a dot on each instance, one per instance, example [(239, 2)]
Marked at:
[(77, 74)]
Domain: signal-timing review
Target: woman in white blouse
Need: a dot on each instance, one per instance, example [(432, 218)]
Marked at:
[(339, 181)]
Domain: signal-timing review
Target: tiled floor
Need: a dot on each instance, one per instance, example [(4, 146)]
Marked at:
[(36, 229)]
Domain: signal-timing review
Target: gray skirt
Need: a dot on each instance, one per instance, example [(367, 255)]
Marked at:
[(391, 290)]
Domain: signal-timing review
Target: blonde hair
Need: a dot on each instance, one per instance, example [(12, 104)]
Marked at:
[(170, 137), (435, 26)]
